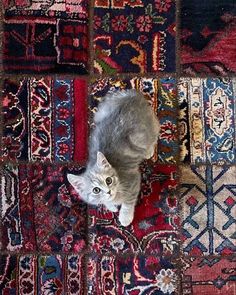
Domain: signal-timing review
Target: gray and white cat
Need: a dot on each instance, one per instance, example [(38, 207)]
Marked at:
[(126, 132)]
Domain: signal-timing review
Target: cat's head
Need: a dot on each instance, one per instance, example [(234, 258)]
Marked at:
[(98, 184)]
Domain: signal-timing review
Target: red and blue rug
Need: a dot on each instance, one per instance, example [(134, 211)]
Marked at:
[(44, 119), (182, 56)]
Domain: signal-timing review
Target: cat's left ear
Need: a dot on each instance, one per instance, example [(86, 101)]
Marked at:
[(102, 162), (76, 181)]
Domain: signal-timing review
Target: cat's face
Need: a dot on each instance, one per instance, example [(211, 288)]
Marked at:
[(98, 184)]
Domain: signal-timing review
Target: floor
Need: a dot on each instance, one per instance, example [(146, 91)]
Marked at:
[(59, 58)]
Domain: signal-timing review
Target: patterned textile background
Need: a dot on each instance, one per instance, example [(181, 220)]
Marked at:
[(134, 36), (44, 119), (59, 58)]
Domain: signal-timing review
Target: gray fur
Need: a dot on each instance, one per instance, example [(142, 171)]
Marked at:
[(125, 134)]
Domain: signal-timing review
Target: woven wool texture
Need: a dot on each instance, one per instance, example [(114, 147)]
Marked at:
[(59, 58)]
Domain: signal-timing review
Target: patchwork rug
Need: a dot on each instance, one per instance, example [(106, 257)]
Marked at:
[(177, 244), (182, 240)]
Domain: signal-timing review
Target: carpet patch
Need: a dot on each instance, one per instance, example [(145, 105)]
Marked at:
[(207, 120), (40, 210), (161, 93), (208, 37), (45, 119), (208, 276), (132, 275), (208, 196), (155, 225), (42, 274), (134, 36), (45, 36)]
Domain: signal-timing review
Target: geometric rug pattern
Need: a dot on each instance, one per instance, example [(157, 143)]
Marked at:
[(207, 193), (59, 58)]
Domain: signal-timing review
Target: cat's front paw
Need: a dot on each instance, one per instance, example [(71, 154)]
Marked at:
[(150, 153), (125, 220), (112, 208)]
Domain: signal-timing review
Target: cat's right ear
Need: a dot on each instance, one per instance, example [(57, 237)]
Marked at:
[(102, 161), (76, 181)]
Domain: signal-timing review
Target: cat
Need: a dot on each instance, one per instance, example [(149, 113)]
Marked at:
[(126, 132)]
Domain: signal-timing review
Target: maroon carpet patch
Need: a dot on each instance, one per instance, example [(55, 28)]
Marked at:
[(40, 210), (208, 37), (207, 275)]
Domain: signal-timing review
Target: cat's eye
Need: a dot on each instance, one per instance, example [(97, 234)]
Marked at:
[(108, 180), (96, 190)]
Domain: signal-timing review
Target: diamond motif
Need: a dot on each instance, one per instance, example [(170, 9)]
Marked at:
[(229, 202), (192, 201)]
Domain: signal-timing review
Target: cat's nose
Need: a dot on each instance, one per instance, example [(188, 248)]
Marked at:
[(109, 192)]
